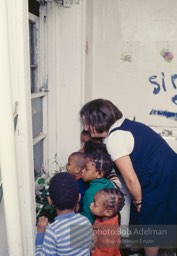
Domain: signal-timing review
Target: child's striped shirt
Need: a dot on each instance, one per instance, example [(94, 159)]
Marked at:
[(69, 235)]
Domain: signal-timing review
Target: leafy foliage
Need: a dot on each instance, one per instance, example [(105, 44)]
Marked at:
[(43, 208)]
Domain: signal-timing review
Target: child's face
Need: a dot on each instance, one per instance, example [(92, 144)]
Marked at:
[(97, 207), (72, 168), (90, 172), (85, 138)]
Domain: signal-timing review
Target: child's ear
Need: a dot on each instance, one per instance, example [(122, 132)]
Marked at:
[(100, 174), (78, 170), (82, 170), (49, 200), (108, 213)]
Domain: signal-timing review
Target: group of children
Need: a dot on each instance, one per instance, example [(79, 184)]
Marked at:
[(88, 202)]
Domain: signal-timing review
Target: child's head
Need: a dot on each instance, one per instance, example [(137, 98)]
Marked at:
[(76, 163), (85, 136), (64, 191), (108, 202), (98, 165), (92, 146)]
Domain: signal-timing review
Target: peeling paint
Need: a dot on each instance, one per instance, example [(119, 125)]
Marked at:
[(126, 57), (167, 55)]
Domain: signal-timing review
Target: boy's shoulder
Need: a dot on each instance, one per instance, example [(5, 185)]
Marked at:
[(83, 219), (75, 218)]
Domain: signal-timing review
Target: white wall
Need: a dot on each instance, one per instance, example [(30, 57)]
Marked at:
[(88, 40), (140, 30), (65, 77), (107, 49)]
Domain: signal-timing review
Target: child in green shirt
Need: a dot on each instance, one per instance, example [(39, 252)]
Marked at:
[(98, 166)]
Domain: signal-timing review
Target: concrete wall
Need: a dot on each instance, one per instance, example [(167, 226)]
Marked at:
[(111, 49), (129, 38)]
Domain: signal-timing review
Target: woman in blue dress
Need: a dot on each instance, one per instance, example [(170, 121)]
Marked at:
[(146, 162)]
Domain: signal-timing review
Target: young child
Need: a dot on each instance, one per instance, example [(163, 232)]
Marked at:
[(97, 167), (70, 233), (117, 180), (106, 206), (86, 137), (92, 146), (75, 166)]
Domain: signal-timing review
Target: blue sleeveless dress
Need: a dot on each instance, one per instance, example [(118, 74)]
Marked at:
[(155, 164)]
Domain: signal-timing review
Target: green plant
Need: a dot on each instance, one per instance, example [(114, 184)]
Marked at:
[(41, 192)]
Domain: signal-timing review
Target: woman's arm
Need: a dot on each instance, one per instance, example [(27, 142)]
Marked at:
[(124, 165)]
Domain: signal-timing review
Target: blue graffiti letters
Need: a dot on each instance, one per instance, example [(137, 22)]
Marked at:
[(158, 87), (164, 113), (174, 99), (174, 77)]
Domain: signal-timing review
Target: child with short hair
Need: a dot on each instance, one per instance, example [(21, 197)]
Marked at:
[(86, 137), (76, 163), (97, 168), (75, 166), (106, 206), (92, 146), (60, 238)]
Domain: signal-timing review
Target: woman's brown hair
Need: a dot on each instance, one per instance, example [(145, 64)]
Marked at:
[(100, 114)]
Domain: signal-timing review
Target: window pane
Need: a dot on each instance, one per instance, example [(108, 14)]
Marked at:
[(31, 43), (37, 118), (33, 55), (33, 79), (38, 158)]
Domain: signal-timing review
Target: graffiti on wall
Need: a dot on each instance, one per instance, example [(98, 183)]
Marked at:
[(161, 86)]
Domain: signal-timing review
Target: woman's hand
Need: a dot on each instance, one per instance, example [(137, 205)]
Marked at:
[(42, 224), (138, 205), (138, 208)]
